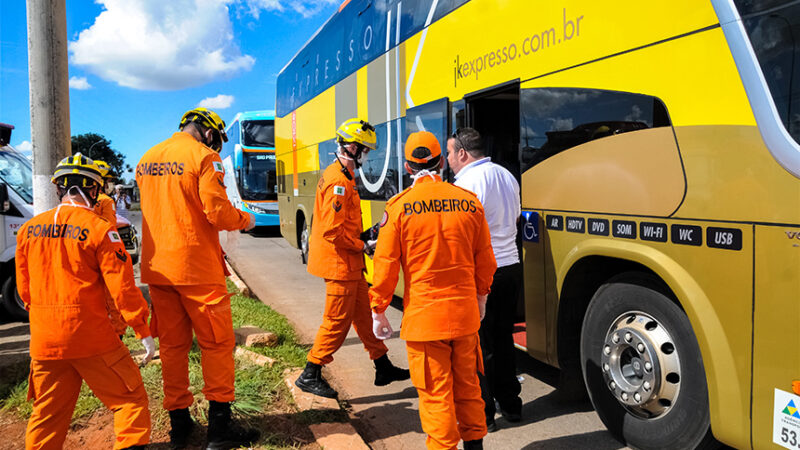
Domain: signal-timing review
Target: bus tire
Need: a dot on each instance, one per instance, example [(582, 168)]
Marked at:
[(12, 303), (642, 366), (304, 234)]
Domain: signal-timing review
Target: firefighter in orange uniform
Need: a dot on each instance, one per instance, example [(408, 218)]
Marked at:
[(438, 234), (184, 206), (67, 258), (336, 253), (106, 209), (105, 204)]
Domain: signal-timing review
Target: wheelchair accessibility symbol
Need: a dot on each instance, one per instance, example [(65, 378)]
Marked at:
[(530, 227)]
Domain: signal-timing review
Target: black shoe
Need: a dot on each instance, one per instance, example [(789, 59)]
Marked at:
[(311, 381), (224, 433), (477, 444), (513, 417), (134, 447), (386, 372), (182, 425), (491, 425)]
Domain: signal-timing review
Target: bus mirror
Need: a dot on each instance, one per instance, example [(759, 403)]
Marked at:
[(5, 204)]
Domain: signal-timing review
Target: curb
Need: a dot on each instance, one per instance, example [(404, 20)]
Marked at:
[(241, 285), (332, 435)]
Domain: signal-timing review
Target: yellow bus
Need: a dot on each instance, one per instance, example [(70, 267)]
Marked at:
[(657, 151)]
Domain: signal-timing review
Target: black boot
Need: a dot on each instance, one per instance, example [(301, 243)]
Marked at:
[(134, 447), (477, 444), (224, 433), (386, 372), (182, 425), (311, 381)]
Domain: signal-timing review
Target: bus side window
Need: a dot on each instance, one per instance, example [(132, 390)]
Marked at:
[(378, 179), (556, 119), (431, 117), (327, 153), (771, 27)]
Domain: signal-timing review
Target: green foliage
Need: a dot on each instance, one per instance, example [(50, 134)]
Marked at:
[(96, 146)]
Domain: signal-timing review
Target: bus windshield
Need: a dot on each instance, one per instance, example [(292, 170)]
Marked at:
[(258, 181), (258, 133), (17, 173)]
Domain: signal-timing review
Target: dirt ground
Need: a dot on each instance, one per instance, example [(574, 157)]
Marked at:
[(282, 426)]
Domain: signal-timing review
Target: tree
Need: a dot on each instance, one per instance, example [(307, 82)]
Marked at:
[(96, 146)]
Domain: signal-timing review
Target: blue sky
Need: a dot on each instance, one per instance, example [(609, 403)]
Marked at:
[(136, 66)]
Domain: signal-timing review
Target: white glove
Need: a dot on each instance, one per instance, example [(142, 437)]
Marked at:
[(482, 305), (369, 249), (149, 350), (381, 327)]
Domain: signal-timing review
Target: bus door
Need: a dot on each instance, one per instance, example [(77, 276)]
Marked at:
[(495, 113)]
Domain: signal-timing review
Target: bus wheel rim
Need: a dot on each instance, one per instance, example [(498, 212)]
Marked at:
[(641, 365), (304, 240)]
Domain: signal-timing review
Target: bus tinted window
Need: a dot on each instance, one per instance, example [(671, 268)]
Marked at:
[(258, 180), (747, 7), (353, 37), (258, 133), (773, 29), (327, 153), (553, 120), (428, 117), (377, 178)]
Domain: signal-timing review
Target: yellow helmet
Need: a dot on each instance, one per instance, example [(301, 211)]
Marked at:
[(104, 168), (78, 165), (207, 118), (358, 131)]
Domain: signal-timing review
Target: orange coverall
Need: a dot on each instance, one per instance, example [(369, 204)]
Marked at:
[(64, 271), (438, 234), (335, 254), (184, 206), (106, 209)]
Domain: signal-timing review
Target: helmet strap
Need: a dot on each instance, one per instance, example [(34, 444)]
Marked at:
[(343, 152)]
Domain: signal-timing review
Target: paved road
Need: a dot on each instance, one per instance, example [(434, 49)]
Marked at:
[(387, 417)]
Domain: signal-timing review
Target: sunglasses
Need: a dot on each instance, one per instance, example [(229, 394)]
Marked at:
[(458, 139)]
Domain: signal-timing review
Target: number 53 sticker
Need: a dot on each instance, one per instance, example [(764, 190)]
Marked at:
[(786, 420)]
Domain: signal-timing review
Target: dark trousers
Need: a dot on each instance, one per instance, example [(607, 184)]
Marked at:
[(497, 343)]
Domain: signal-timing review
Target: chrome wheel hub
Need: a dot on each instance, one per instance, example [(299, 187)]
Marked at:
[(640, 364)]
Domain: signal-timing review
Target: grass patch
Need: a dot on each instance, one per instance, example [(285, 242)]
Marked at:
[(261, 396)]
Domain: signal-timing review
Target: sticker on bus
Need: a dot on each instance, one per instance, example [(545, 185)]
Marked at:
[(786, 420), (530, 228)]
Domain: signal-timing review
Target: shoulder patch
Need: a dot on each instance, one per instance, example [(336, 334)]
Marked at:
[(113, 236), (338, 190), (218, 167), (384, 219)]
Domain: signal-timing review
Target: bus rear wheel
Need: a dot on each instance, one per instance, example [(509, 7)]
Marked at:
[(642, 366), (305, 232)]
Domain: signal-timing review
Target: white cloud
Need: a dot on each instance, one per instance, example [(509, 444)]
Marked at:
[(306, 8), (221, 101), (24, 146), (254, 7), (309, 8), (172, 44), (160, 45), (79, 83)]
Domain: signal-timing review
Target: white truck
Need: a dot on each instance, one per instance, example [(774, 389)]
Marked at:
[(16, 207)]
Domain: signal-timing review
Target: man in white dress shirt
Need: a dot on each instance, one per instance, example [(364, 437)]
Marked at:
[(498, 191)]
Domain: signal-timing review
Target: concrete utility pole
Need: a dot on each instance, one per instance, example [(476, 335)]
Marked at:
[(49, 85)]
